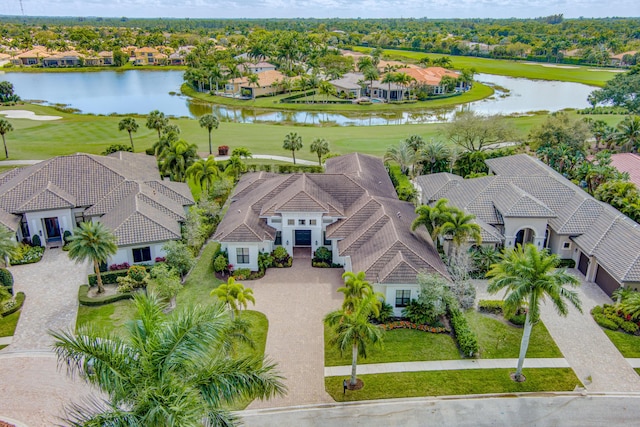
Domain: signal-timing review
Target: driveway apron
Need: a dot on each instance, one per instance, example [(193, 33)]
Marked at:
[(295, 300)]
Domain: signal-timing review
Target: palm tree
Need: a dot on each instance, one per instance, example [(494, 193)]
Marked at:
[(628, 134), (389, 78), (293, 142), (235, 166), (234, 295), (320, 146), (432, 217), (325, 88), (175, 160), (156, 120), (528, 276), (129, 124), (436, 153), (210, 122), (370, 74), (356, 287), (92, 241), (403, 155), (8, 244), (353, 330), (5, 127), (253, 80), (204, 172), (175, 370), (460, 227), (415, 142)]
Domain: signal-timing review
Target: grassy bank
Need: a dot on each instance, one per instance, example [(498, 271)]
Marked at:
[(126, 67), (479, 91), (447, 383), (530, 70), (92, 134)]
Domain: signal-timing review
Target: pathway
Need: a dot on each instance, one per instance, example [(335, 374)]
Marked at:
[(51, 289), (444, 365), (295, 300), (270, 157), (593, 357)]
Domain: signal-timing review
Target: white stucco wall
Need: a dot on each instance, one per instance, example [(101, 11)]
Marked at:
[(389, 292), (125, 253), (513, 225), (556, 245), (36, 226)]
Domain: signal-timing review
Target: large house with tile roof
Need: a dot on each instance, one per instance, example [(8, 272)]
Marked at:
[(526, 201), (351, 209), (124, 191)]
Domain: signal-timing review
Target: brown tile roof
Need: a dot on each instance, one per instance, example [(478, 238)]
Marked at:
[(630, 163), (265, 79), (51, 197), (430, 76)]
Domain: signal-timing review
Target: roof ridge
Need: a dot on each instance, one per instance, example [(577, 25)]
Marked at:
[(365, 230), (615, 220)]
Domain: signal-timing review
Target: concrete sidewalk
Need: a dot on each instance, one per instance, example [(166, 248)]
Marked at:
[(6, 340), (444, 365)]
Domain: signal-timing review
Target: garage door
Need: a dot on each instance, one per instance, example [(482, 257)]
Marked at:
[(583, 264), (303, 237), (606, 282)]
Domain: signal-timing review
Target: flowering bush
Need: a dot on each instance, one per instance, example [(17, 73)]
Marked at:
[(403, 324), (116, 267), (25, 254), (160, 259)]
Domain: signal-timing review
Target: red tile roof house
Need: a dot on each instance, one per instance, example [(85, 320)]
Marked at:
[(630, 163), (351, 209), (124, 191)]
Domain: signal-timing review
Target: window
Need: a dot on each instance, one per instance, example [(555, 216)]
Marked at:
[(324, 238), (302, 222), (141, 254), (278, 240), (276, 220), (312, 222), (403, 296), (291, 222), (566, 245), (242, 255)]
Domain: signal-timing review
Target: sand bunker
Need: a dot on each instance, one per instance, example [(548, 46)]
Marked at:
[(25, 114), (608, 71), (551, 65)]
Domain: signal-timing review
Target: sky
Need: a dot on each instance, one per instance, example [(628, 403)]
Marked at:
[(323, 8)]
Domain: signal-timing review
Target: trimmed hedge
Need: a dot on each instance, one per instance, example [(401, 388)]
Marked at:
[(19, 302), (493, 306), (6, 278), (84, 299), (567, 263), (299, 169), (110, 277), (466, 338)]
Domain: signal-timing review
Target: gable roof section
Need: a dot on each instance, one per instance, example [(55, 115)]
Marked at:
[(514, 202), (12, 222), (51, 197)]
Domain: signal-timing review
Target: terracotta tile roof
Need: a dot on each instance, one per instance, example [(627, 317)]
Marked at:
[(265, 79), (630, 163), (430, 76), (36, 52)]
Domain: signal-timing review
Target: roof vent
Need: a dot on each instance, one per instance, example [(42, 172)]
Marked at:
[(239, 210), (398, 214)]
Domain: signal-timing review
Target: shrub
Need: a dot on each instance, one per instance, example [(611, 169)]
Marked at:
[(567, 263), (25, 254), (179, 257), (385, 314), (150, 151), (220, 264), (604, 322), (597, 310), (320, 264), (403, 324), (466, 338), (265, 260), (6, 278), (114, 148), (242, 273), (323, 254), (280, 255), (490, 306), (118, 267), (518, 319), (137, 273), (84, 299), (108, 278), (629, 327), (66, 236), (35, 240), (160, 259), (18, 301)]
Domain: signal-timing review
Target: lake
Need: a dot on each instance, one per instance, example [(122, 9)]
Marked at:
[(141, 91)]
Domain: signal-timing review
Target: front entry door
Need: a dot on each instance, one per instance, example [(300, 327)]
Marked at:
[(52, 228), (303, 238)]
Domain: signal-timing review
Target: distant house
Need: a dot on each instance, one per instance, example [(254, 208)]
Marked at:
[(257, 68), (630, 163), (619, 59), (526, 201), (348, 85), (268, 84), (431, 77), (106, 57), (69, 58), (178, 57), (31, 57), (351, 209), (124, 191), (149, 56)]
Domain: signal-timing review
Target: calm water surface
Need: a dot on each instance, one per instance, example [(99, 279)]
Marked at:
[(141, 91)]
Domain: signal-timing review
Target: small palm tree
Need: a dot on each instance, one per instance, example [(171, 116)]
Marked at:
[(628, 134), (389, 77), (204, 172), (432, 217), (5, 127), (129, 124), (176, 159), (210, 122), (234, 295), (253, 80), (356, 287), (437, 153), (175, 370), (371, 74), (92, 241), (460, 227), (528, 276), (320, 146), (403, 155), (292, 142), (354, 331), (156, 120), (8, 244)]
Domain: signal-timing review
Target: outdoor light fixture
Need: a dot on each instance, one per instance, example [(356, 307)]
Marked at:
[(287, 243)]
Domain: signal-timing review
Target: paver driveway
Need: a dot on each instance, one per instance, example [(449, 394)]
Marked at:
[(295, 300)]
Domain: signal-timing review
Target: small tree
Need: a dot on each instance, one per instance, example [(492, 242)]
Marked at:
[(320, 146), (292, 142), (157, 121), (129, 124), (473, 131), (5, 127), (220, 264), (165, 283), (178, 257)]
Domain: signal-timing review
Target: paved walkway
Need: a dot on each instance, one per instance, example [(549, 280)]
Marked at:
[(444, 365), (270, 157), (51, 289), (593, 357), (295, 300)]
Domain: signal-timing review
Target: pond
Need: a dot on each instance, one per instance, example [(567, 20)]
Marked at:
[(141, 91)]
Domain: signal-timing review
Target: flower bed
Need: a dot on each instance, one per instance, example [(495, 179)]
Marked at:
[(403, 324), (613, 318), (26, 254)]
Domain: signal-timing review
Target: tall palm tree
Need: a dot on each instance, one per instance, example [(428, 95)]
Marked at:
[(528, 276), (94, 242), (356, 287), (432, 217), (156, 120), (204, 172), (129, 124), (416, 143), (353, 330), (169, 370), (325, 88), (253, 80), (436, 153), (8, 244), (628, 134), (320, 146), (403, 155), (371, 74), (292, 142), (5, 127), (210, 122), (175, 160), (234, 295), (389, 78), (460, 227)]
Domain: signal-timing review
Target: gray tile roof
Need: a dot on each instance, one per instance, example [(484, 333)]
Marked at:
[(515, 202), (12, 222), (51, 197)]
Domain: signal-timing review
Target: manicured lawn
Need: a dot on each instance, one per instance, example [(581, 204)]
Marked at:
[(202, 279), (108, 317), (445, 383), (499, 340), (628, 345), (8, 324), (92, 134), (578, 74), (400, 345)]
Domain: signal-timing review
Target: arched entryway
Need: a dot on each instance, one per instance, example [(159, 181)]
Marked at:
[(524, 236)]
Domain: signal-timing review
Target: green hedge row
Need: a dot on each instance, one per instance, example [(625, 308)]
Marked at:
[(84, 299), (496, 307), (466, 338), (110, 277), (297, 96), (567, 263), (19, 302)]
